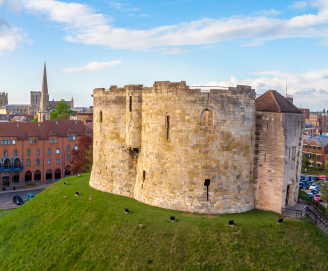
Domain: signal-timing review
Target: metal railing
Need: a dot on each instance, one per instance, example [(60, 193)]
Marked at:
[(305, 199), (313, 209)]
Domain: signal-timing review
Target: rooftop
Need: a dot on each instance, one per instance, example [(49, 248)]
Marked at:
[(273, 101)]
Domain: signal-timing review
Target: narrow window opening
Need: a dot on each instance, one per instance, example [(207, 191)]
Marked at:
[(144, 175), (264, 156), (267, 126), (100, 116), (207, 184), (206, 117), (130, 104), (168, 127)]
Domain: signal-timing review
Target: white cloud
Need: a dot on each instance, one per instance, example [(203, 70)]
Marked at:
[(9, 36), (309, 89), (172, 51), (84, 25), (267, 12), (93, 66), (299, 5)]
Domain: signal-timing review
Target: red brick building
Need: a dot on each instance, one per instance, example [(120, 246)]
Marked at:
[(32, 152)]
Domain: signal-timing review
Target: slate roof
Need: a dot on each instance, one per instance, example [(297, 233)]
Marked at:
[(320, 140), (273, 101), (41, 130)]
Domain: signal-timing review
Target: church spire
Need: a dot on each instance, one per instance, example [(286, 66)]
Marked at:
[(44, 113)]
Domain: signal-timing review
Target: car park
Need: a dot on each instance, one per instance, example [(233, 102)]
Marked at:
[(30, 196), (314, 178), (18, 200)]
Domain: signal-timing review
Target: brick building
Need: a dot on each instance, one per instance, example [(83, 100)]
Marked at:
[(316, 148), (306, 112), (32, 152)]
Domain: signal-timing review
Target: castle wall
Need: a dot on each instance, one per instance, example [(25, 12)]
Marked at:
[(278, 138), (222, 151), (114, 166)]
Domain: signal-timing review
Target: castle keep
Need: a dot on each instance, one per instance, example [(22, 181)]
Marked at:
[(180, 148)]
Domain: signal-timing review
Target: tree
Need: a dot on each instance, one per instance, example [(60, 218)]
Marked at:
[(62, 108), (35, 119), (305, 161), (324, 192), (314, 162), (82, 158)]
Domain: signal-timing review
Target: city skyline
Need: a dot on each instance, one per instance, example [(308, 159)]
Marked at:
[(89, 44)]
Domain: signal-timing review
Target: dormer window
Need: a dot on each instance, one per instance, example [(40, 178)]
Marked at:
[(35, 140), (14, 141), (51, 140), (70, 137), (74, 137), (55, 140), (31, 140)]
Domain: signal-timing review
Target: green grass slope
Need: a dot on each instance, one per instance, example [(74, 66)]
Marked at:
[(54, 232)]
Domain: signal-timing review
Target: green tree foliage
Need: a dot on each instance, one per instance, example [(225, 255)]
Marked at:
[(35, 119), (82, 158), (305, 161), (62, 111), (324, 192), (314, 162)]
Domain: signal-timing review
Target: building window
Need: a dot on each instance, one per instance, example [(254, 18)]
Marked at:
[(319, 148), (130, 106), (76, 147), (314, 147), (57, 150), (100, 116), (38, 162), (2, 142), (67, 157), (14, 141), (37, 151), (144, 175), (15, 152), (70, 137), (207, 118), (5, 153), (49, 161), (9, 141), (49, 151), (31, 140), (74, 137), (68, 148), (57, 161), (28, 152), (51, 140), (56, 140), (167, 127), (35, 140), (28, 162)]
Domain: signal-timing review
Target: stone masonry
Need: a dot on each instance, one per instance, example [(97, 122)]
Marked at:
[(180, 148)]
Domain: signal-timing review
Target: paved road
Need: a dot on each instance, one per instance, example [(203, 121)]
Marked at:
[(6, 199)]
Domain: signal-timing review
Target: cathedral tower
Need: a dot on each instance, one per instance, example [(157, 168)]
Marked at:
[(44, 113)]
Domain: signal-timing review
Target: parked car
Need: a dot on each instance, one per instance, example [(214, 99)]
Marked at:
[(308, 178), (322, 177), (314, 178), (302, 177), (313, 186), (30, 196), (314, 191), (317, 197), (18, 200), (310, 195), (305, 186)]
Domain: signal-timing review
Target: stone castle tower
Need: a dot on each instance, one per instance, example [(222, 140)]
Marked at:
[(3, 99), (179, 148), (44, 113)]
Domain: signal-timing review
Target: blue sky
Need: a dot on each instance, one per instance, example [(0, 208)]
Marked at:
[(89, 44)]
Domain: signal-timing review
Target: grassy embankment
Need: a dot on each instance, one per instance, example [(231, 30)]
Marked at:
[(54, 232)]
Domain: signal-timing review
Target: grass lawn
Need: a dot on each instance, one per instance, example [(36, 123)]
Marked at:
[(5, 212), (54, 232), (311, 171)]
